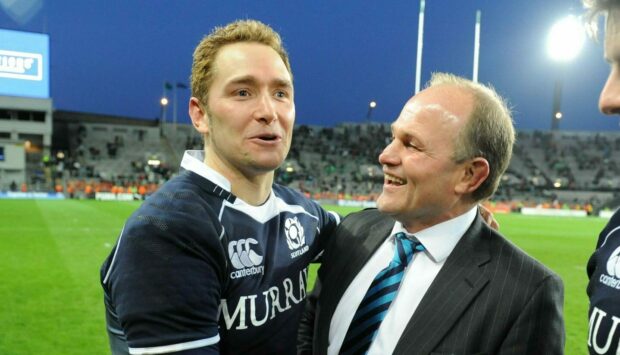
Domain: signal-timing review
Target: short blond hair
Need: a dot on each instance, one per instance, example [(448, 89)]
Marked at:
[(235, 32), (489, 132)]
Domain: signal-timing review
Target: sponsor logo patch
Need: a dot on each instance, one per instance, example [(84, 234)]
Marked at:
[(244, 259)]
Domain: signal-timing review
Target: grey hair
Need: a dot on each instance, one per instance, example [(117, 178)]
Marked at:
[(489, 132)]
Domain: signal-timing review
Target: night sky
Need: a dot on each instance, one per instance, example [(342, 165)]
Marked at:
[(112, 57)]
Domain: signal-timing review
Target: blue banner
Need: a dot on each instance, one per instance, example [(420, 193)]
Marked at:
[(24, 64)]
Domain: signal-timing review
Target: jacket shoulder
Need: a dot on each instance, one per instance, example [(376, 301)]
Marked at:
[(516, 262), (363, 219)]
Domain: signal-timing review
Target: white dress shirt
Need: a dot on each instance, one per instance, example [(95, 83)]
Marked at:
[(439, 241)]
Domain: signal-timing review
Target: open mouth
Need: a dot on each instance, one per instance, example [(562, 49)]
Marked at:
[(393, 180), (268, 137)]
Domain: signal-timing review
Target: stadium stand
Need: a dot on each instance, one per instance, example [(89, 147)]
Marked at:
[(99, 153)]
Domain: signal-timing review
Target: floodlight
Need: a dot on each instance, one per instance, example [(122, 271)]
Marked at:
[(565, 39)]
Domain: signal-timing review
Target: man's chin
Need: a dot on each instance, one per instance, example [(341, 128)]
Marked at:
[(384, 205), (266, 166), (391, 204)]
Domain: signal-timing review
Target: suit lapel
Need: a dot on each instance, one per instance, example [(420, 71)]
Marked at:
[(456, 286)]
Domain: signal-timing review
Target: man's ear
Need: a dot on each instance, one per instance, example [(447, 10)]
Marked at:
[(199, 117), (475, 172)]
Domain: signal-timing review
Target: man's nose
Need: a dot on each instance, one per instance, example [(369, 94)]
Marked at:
[(266, 110), (609, 101), (387, 156)]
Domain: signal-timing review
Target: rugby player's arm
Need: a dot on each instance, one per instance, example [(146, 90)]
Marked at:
[(329, 222), (165, 284), (305, 335)]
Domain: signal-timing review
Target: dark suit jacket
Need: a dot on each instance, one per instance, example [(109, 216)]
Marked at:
[(489, 297)]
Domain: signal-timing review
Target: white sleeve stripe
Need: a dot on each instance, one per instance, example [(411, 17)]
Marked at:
[(219, 217), (176, 347), (318, 256), (336, 216), (116, 331), (118, 245), (609, 234)]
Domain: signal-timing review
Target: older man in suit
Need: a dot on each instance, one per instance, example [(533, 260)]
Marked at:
[(424, 274)]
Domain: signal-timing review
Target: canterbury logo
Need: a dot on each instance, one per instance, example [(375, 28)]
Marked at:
[(294, 233), (613, 264), (241, 255), (612, 279)]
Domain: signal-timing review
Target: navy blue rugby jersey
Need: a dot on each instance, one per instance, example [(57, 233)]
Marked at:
[(604, 291), (197, 268)]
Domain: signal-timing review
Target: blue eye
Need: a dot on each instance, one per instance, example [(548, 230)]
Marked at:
[(281, 94), (243, 93)]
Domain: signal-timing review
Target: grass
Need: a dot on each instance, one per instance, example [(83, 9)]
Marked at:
[(51, 251)]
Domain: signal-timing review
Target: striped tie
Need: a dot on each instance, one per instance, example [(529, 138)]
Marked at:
[(380, 294)]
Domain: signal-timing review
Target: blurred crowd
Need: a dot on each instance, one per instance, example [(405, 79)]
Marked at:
[(548, 169)]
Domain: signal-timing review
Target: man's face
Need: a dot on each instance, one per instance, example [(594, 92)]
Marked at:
[(420, 174), (250, 109), (609, 102)]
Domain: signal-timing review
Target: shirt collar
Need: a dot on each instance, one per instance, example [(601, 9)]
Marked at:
[(439, 240), (193, 160)]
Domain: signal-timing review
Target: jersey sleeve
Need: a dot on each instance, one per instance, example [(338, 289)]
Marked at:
[(328, 221), (606, 240), (163, 280)]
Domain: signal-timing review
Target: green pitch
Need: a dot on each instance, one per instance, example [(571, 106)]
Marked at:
[(51, 251)]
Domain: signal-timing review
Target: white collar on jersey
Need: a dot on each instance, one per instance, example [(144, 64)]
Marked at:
[(193, 160)]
